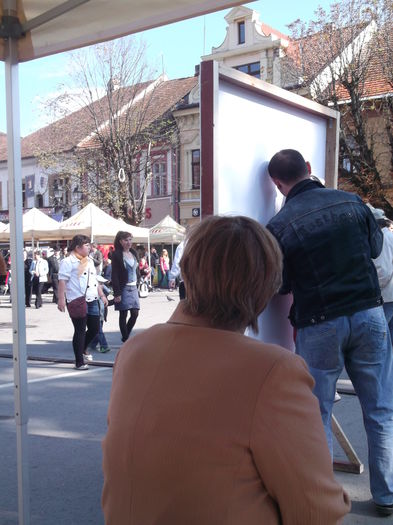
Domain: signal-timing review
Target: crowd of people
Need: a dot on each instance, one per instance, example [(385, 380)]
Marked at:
[(204, 422), (41, 269), (98, 277)]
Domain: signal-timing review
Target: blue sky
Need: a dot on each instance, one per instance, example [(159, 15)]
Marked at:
[(177, 46)]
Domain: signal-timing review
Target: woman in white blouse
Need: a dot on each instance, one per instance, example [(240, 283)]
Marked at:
[(78, 278)]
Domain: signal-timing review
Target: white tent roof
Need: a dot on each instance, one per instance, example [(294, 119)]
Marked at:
[(52, 26), (167, 230), (99, 226), (36, 225)]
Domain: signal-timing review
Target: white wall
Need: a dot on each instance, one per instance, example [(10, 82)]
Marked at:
[(249, 129)]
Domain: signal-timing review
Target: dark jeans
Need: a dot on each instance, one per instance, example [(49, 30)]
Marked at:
[(93, 327), (28, 287), (55, 286), (182, 290), (99, 338), (81, 338), (162, 279), (38, 296)]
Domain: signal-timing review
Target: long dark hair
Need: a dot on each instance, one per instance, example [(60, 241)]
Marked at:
[(119, 237)]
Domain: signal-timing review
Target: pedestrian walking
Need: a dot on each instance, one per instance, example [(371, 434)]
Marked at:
[(79, 287), (125, 277), (100, 338), (28, 277), (53, 263), (164, 269), (39, 270)]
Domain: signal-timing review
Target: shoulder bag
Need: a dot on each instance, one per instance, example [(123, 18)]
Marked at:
[(77, 308)]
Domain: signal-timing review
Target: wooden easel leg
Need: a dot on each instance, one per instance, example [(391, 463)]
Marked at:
[(354, 465)]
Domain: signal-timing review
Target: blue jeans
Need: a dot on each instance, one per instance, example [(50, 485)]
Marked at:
[(99, 338), (360, 342), (388, 309)]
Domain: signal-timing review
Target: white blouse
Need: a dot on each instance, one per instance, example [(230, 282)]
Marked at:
[(76, 286)]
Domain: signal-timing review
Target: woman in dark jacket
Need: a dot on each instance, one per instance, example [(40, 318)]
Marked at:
[(125, 277)]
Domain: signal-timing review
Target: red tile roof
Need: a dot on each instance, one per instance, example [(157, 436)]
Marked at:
[(315, 50), (156, 104), (64, 134), (267, 31), (376, 83), (316, 53), (78, 127)]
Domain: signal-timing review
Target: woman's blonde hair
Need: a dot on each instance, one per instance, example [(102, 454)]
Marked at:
[(231, 267)]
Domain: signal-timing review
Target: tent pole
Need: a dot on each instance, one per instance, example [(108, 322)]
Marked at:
[(17, 283), (149, 258)]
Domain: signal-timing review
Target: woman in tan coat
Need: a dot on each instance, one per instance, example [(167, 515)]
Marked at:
[(208, 426)]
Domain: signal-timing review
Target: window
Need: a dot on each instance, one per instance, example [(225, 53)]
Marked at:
[(196, 169), (253, 69), (159, 184), (39, 201), (241, 32)]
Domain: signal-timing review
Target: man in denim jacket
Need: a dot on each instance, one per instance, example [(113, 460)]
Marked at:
[(329, 238)]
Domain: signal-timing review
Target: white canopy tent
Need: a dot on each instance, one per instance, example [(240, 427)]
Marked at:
[(32, 29), (167, 230), (36, 226), (99, 226)]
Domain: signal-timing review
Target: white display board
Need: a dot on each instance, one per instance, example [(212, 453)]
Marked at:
[(244, 123), (250, 130)]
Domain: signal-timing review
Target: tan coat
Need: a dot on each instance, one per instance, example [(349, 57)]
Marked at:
[(210, 427)]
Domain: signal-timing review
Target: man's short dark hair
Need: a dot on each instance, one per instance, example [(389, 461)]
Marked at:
[(288, 165)]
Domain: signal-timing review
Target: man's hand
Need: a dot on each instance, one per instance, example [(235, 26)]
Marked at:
[(172, 283), (117, 299), (105, 300)]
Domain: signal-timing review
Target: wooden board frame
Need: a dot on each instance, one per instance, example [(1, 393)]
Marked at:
[(211, 74)]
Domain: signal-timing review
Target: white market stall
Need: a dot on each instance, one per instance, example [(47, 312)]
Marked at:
[(36, 226), (99, 226), (29, 30), (167, 231)]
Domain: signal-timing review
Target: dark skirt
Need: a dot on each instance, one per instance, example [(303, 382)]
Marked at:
[(129, 298)]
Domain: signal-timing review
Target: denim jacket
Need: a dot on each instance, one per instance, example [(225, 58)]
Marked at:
[(328, 238)]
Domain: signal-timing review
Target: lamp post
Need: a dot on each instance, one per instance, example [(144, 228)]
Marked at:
[(77, 195)]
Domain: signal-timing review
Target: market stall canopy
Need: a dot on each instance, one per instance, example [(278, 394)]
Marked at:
[(99, 226), (2, 226), (168, 231), (45, 27), (36, 225)]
